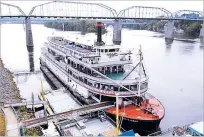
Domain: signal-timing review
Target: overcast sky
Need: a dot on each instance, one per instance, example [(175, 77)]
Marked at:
[(119, 5)]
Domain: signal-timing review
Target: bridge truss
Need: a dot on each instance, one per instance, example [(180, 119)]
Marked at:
[(73, 9), (140, 12), (80, 10), (189, 14), (10, 10)]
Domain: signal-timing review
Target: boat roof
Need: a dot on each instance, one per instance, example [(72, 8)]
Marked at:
[(197, 128), (109, 47)]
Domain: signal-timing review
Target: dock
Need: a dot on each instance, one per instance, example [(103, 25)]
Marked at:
[(67, 114)]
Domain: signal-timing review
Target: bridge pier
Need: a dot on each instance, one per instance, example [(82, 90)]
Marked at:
[(31, 58), (29, 36), (202, 35), (169, 32), (117, 32)]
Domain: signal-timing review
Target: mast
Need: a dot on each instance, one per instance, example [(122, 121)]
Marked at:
[(140, 54), (117, 117)]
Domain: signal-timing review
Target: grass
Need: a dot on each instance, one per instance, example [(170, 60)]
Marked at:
[(32, 132), (2, 125)]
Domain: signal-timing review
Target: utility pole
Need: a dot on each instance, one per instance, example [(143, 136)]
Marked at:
[(33, 107), (117, 117)]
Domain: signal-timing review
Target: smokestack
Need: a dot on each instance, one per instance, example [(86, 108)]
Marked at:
[(99, 36)]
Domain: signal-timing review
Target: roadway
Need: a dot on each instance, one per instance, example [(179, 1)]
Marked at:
[(11, 122), (98, 17)]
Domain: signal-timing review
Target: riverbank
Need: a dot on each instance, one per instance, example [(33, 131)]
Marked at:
[(9, 93)]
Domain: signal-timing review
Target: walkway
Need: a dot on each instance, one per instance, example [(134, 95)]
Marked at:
[(12, 123)]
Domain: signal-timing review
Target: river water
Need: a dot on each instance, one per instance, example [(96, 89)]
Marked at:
[(175, 71)]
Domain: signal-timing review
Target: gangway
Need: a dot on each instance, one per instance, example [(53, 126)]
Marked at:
[(22, 73), (63, 115), (23, 104)]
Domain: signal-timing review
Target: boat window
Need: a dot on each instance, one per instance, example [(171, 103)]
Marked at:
[(115, 88), (111, 50), (143, 85), (101, 50), (106, 50), (111, 87), (133, 87), (117, 50)]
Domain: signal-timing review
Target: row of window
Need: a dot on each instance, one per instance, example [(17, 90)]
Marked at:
[(104, 86), (108, 50)]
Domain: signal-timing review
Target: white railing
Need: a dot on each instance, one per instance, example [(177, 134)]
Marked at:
[(92, 89), (97, 79)]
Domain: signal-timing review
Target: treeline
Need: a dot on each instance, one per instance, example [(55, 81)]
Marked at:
[(85, 26), (190, 28)]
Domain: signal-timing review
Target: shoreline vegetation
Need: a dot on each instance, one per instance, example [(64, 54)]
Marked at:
[(190, 29), (85, 26), (2, 124), (25, 114)]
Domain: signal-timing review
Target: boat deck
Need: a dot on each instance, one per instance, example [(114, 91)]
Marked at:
[(73, 47), (197, 128), (60, 101), (134, 112)]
